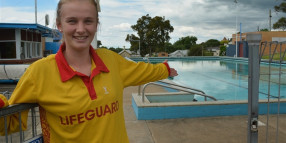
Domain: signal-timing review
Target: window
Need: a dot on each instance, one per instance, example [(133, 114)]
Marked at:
[(7, 50), (9, 34), (28, 50), (22, 54), (38, 49), (33, 49)]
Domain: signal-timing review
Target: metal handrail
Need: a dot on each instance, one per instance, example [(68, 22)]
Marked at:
[(182, 86), (179, 87), (17, 109)]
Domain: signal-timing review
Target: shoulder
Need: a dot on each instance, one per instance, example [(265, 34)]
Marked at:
[(46, 60), (104, 51), (44, 63)]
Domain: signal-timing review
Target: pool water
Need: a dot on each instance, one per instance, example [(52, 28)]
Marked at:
[(225, 79)]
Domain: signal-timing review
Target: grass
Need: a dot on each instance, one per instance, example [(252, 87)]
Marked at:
[(276, 57)]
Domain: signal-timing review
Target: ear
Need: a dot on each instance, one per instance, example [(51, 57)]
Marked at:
[(59, 26)]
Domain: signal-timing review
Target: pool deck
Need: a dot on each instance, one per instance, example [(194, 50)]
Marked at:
[(229, 129)]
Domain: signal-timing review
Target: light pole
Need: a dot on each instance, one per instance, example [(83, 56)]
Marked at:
[(235, 1), (36, 21)]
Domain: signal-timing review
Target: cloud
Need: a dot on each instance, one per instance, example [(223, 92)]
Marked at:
[(21, 15), (122, 27), (205, 19), (14, 12)]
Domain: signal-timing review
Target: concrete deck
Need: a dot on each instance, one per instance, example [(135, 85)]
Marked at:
[(192, 130), (230, 129)]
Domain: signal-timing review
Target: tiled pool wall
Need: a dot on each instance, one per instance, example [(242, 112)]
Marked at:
[(239, 59), (152, 111)]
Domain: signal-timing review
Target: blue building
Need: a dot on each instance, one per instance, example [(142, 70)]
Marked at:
[(242, 49), (24, 43)]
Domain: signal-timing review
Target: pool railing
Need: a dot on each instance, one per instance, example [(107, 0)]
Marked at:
[(176, 87), (17, 109)]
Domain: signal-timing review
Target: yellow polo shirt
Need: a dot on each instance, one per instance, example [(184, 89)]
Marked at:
[(76, 108)]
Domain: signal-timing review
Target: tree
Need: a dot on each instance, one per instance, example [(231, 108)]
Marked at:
[(104, 47), (281, 23), (281, 7), (112, 49), (224, 41), (185, 42), (222, 50), (196, 50), (117, 50), (264, 29), (134, 41), (99, 43), (169, 47), (153, 33), (212, 43)]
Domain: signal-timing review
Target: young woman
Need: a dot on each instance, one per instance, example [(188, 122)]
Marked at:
[(80, 90)]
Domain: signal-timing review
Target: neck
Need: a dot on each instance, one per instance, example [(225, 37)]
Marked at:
[(79, 60)]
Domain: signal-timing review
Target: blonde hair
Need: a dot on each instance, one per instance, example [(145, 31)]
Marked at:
[(60, 4), (59, 10)]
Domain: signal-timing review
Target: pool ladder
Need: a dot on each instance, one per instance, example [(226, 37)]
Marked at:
[(176, 87)]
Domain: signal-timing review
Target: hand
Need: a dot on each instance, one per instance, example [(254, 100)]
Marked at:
[(173, 72)]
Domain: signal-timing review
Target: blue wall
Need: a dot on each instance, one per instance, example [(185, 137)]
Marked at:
[(195, 111), (53, 47), (230, 50)]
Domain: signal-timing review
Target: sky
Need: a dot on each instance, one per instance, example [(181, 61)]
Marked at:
[(204, 19)]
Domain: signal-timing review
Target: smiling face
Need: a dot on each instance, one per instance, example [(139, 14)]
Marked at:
[(78, 23)]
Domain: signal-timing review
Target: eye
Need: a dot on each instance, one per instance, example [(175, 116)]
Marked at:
[(89, 21), (71, 21)]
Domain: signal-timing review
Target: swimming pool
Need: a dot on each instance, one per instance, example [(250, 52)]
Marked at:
[(226, 79)]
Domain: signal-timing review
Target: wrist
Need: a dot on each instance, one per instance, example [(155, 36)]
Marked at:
[(168, 67), (3, 101)]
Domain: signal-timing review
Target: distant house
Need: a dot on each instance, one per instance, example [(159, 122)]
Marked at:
[(23, 43), (125, 53), (163, 54), (179, 53), (266, 36), (214, 50)]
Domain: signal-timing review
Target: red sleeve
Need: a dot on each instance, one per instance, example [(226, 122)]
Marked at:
[(3, 101), (168, 67)]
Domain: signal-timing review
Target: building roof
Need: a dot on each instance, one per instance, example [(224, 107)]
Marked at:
[(46, 31), (25, 26), (128, 51), (183, 52)]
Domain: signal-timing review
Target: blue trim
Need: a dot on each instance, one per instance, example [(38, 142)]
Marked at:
[(240, 59), (25, 26), (8, 81), (195, 111)]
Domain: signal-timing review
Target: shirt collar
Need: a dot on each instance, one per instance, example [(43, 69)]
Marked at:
[(66, 72)]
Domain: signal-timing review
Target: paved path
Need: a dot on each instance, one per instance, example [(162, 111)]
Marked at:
[(196, 130)]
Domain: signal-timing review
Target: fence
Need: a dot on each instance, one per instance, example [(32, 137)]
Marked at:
[(32, 134), (274, 73)]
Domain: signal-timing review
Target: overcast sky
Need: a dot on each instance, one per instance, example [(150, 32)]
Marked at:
[(205, 19)]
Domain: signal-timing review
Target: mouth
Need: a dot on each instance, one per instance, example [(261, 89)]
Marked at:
[(80, 37)]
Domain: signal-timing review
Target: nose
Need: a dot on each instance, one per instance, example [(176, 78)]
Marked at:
[(80, 28)]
